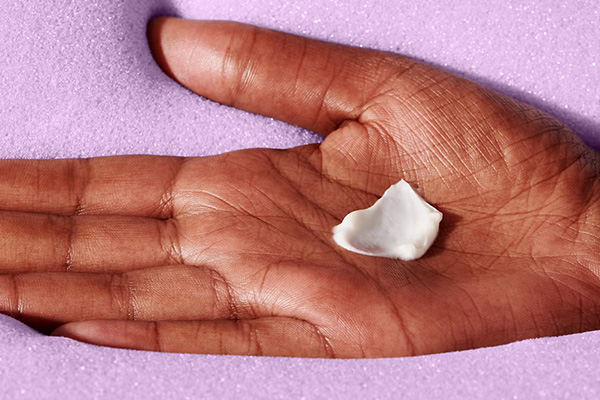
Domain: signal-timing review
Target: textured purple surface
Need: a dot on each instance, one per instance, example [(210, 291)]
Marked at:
[(34, 366), (77, 79)]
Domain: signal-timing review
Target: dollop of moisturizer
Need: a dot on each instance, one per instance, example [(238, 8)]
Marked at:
[(399, 225)]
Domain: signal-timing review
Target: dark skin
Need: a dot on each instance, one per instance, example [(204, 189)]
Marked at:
[(233, 254)]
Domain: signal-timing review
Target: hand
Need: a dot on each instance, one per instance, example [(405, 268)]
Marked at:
[(233, 254)]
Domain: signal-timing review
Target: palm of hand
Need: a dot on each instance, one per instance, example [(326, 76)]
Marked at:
[(243, 261)]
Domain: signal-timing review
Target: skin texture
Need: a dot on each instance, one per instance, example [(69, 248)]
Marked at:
[(233, 254)]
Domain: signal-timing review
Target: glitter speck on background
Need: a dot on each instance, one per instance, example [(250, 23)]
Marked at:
[(77, 79)]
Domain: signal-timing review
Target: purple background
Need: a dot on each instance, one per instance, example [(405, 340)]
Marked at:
[(77, 79)]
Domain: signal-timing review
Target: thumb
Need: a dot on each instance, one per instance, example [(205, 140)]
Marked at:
[(305, 82)]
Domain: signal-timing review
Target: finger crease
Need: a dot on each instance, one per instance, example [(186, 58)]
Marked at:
[(254, 342), (325, 342), (70, 233), (166, 206), (79, 177), (16, 305), (122, 295), (157, 337), (242, 66), (230, 298), (170, 241)]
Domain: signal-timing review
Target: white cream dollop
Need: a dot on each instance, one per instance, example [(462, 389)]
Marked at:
[(399, 225)]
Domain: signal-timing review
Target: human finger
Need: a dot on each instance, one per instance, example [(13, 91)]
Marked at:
[(93, 243), (269, 336), (123, 185), (313, 84), (47, 300)]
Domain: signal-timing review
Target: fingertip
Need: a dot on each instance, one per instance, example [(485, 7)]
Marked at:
[(92, 332), (111, 333), (158, 40), (77, 330), (192, 52)]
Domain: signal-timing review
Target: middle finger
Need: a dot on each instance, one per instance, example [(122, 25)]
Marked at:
[(32, 242)]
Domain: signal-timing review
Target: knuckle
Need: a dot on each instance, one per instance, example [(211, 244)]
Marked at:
[(170, 241), (225, 300), (250, 334), (121, 295), (240, 61), (79, 177), (154, 332)]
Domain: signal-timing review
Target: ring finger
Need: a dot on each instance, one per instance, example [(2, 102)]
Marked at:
[(45, 242)]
